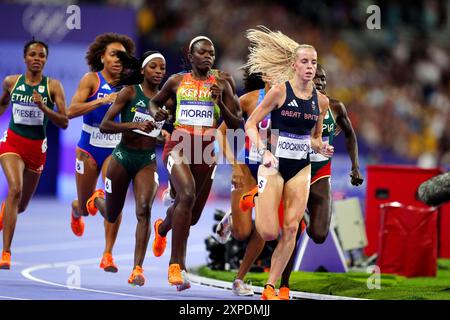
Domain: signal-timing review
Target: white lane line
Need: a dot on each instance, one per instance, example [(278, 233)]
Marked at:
[(13, 298), (219, 284), (28, 271)]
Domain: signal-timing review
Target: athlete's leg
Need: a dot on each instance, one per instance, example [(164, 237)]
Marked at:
[(203, 183), (86, 180), (295, 198), (30, 183), (145, 187), (111, 229), (270, 189), (319, 206), (13, 167)]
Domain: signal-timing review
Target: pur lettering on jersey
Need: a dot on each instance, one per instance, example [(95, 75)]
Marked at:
[(23, 98), (309, 116), (194, 93), (292, 114)]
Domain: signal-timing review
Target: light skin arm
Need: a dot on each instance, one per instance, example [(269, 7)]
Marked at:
[(59, 117), (108, 124), (87, 85), (351, 143)]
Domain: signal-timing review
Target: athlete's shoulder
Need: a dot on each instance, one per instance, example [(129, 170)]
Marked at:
[(337, 107), (10, 80)]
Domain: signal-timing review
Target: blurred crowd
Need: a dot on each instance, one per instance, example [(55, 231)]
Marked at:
[(395, 81)]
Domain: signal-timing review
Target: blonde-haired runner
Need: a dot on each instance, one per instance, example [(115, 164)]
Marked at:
[(297, 111)]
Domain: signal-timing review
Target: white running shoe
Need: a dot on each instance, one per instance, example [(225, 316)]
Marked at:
[(167, 198), (223, 229), (186, 283), (242, 289)]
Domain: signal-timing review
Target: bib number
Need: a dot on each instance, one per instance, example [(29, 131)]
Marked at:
[(27, 115), (317, 157), (196, 113), (142, 117), (291, 146), (104, 140)]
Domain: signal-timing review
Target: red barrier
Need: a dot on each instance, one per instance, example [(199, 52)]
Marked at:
[(408, 240), (395, 183)]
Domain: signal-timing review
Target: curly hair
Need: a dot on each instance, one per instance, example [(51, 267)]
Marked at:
[(98, 48)]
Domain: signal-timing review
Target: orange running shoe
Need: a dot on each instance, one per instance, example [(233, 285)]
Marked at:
[(175, 277), (284, 293), (137, 277), (2, 212), (247, 200), (159, 244), (269, 293), (108, 264), (77, 225), (90, 204), (5, 263)]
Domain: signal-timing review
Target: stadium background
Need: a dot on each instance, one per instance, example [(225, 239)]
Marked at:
[(394, 80)]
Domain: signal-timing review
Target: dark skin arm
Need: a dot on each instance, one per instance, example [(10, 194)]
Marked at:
[(5, 97), (222, 95), (108, 124), (167, 92), (342, 119), (59, 118)]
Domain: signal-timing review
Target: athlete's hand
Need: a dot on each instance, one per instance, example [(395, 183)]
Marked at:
[(216, 93), (37, 98), (237, 178), (110, 98), (326, 150), (269, 160), (146, 126), (161, 114), (356, 177)]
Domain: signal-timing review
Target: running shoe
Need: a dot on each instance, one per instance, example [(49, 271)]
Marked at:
[(175, 277), (240, 288), (247, 200), (90, 204), (186, 283), (269, 294), (223, 229), (284, 293), (5, 263), (167, 198), (137, 277), (77, 225), (108, 264), (159, 244), (2, 212)]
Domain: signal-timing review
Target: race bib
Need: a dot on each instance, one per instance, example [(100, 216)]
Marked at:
[(27, 115), (253, 154), (317, 157), (196, 113), (104, 140), (141, 117), (292, 146)]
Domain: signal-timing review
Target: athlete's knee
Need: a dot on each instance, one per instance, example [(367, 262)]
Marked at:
[(319, 235), (15, 192), (241, 232), (290, 230), (186, 198), (267, 232), (143, 210)]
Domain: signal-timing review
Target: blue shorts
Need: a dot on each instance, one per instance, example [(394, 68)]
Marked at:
[(99, 155)]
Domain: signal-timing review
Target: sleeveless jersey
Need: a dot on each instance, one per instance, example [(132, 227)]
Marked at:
[(294, 121), (91, 120), (195, 107), (27, 119), (328, 132), (137, 111)]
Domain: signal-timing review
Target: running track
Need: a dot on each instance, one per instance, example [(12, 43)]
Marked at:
[(47, 259)]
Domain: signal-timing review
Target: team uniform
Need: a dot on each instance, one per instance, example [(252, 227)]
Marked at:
[(98, 145), (294, 121), (321, 165), (137, 111), (26, 135), (194, 109)]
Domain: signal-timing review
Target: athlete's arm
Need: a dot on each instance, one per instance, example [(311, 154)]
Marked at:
[(59, 117), (351, 143), (168, 91), (78, 105), (316, 136), (223, 96), (108, 125), (5, 97)]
